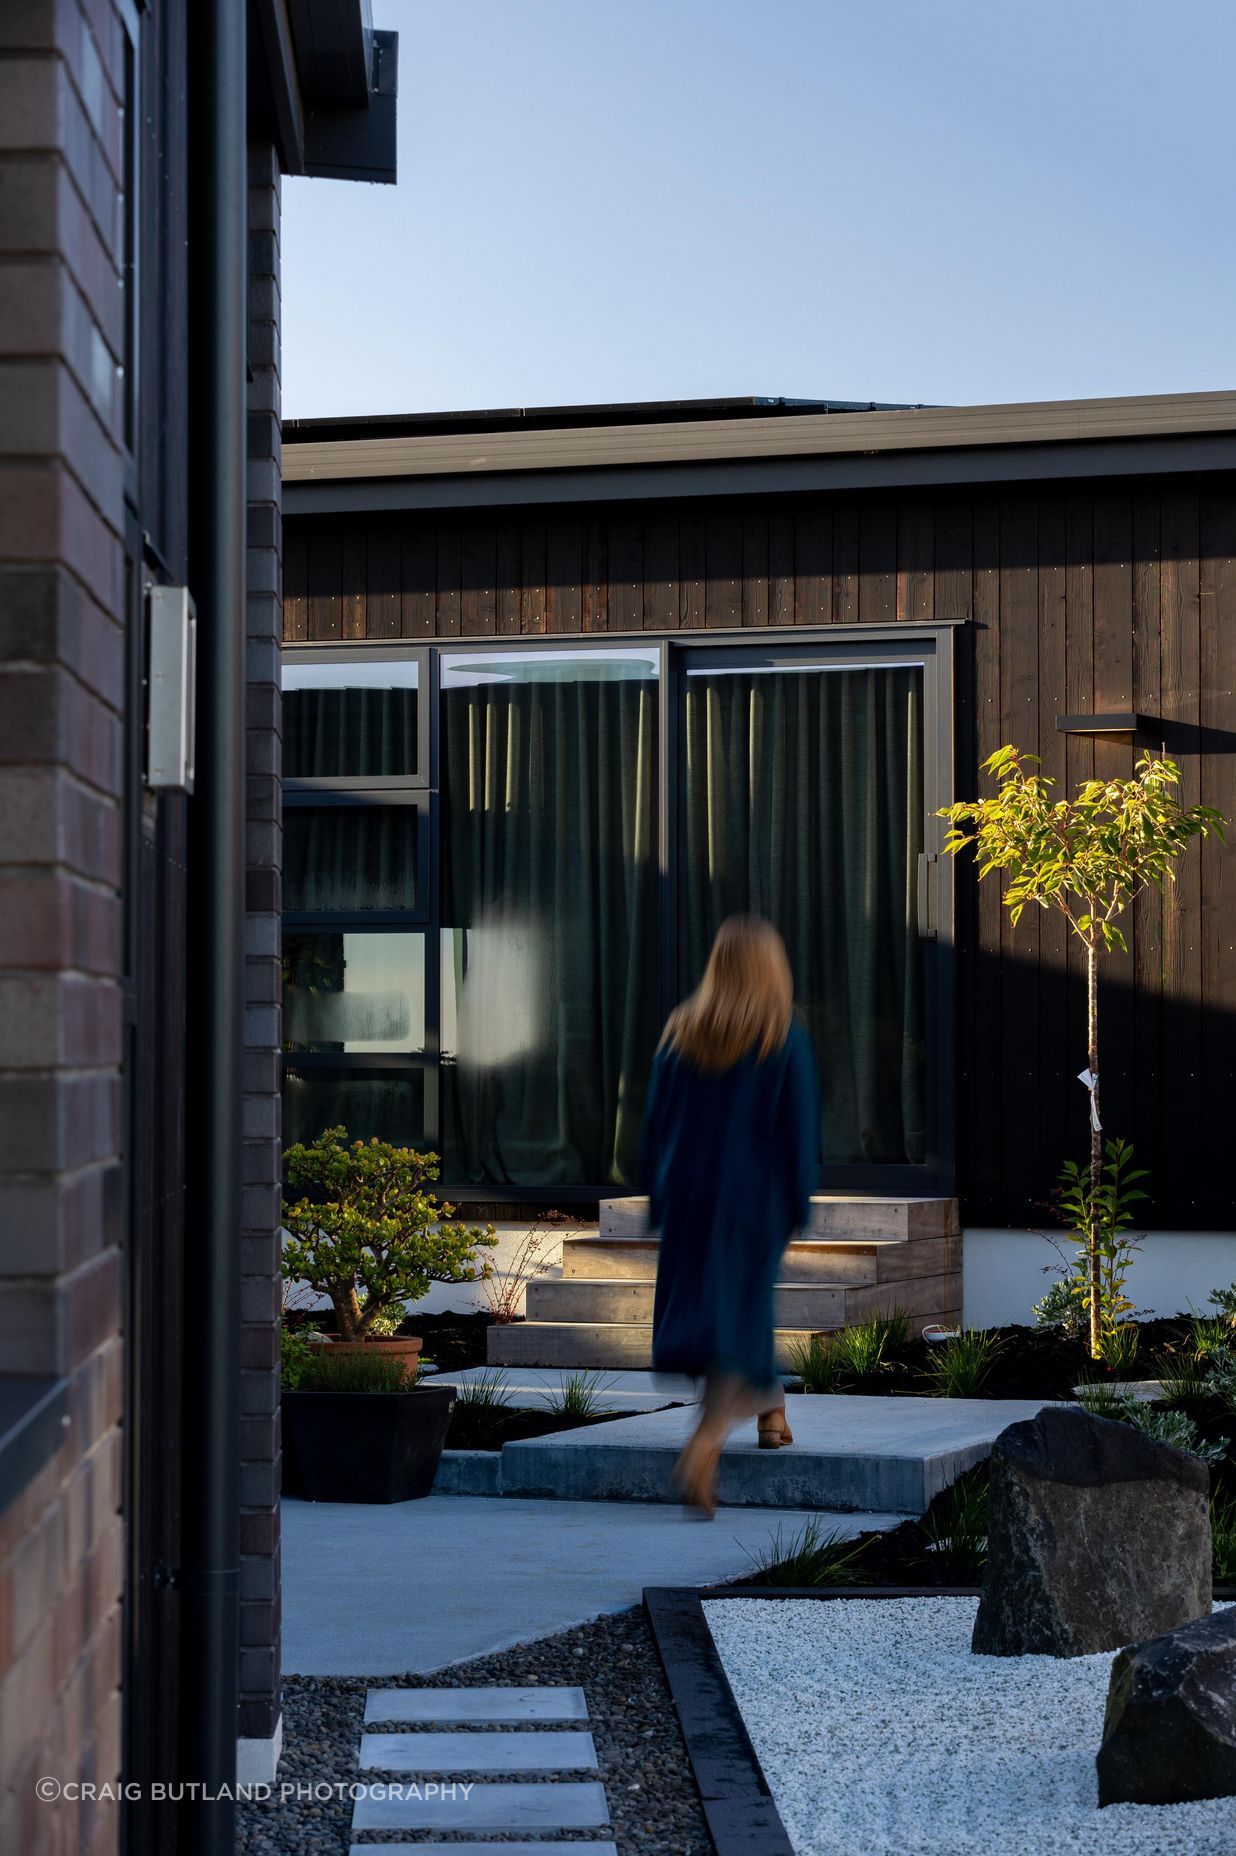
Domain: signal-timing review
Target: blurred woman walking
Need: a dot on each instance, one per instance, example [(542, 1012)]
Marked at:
[(731, 1135)]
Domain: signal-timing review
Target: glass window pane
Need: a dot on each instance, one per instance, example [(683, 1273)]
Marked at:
[(350, 859), (550, 1006), (384, 1105), (350, 721), (802, 801), (356, 992)]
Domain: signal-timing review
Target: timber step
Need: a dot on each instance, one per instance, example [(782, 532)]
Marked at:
[(596, 1299), (813, 1260), (833, 1215), (598, 1345)]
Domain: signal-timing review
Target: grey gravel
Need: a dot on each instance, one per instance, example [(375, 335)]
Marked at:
[(654, 1805)]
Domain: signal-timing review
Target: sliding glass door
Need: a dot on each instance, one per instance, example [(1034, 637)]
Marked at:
[(506, 860), (800, 798), (549, 912)]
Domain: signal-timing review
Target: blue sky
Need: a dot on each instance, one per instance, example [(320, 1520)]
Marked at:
[(951, 201)]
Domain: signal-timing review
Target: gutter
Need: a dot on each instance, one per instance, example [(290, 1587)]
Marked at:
[(209, 1574)]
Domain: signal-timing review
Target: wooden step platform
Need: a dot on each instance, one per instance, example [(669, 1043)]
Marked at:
[(859, 1257)]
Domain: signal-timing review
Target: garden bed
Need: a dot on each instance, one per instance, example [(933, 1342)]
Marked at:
[(487, 1427), (900, 1741), (1022, 1362)]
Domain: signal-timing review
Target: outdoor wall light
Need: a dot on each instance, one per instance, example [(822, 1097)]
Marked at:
[(172, 668)]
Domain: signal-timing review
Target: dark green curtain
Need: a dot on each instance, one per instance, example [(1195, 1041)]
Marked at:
[(548, 850), (802, 802), (350, 733), (349, 858)]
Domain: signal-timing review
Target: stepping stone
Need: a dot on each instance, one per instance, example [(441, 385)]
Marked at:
[(473, 1751), (567, 1805), (572, 1848), (475, 1704)]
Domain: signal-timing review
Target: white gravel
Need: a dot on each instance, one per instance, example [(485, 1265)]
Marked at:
[(881, 1735)]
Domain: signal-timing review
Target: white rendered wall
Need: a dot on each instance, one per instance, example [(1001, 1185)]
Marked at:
[(1173, 1272), (464, 1297)]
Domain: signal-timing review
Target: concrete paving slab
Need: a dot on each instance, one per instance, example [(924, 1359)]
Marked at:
[(475, 1704), (489, 1848), (568, 1805), (474, 1751), (412, 1587), (533, 1386), (848, 1453)]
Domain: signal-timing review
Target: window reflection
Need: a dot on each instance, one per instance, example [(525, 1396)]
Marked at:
[(354, 992), (350, 721)]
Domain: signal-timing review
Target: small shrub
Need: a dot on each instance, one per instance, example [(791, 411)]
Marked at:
[(1175, 1428), (1166, 1426), (368, 1232), (1223, 1538), (579, 1395), (1101, 1400), (811, 1557), (481, 1402), (1063, 1307), (1101, 1214), (372, 1370), (816, 1363), (954, 1529), (1225, 1301), (1183, 1380), (387, 1321), (505, 1283), (1212, 1335), (298, 1349), (865, 1348), (1220, 1380), (484, 1392), (1118, 1348), (959, 1367)]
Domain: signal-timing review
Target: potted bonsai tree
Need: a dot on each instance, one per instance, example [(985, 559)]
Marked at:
[(367, 1232)]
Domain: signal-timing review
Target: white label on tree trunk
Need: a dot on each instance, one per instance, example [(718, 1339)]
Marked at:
[(1091, 1081)]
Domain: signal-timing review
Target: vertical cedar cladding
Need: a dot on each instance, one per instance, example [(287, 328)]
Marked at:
[(1079, 598)]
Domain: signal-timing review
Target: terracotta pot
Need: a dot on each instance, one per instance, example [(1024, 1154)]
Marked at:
[(405, 1347)]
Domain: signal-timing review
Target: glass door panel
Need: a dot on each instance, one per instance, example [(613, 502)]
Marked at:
[(801, 800), (550, 992)]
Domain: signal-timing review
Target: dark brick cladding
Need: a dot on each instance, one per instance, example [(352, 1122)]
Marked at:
[(62, 655), (260, 1289)]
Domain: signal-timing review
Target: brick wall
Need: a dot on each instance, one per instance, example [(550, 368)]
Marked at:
[(61, 690), (259, 1538)]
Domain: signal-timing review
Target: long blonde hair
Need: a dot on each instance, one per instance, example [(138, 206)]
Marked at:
[(744, 1001)]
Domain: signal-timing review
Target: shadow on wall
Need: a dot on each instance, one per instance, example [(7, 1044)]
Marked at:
[(1167, 1066)]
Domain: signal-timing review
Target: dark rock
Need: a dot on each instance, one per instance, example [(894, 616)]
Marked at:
[(1098, 1536), (1169, 1734)]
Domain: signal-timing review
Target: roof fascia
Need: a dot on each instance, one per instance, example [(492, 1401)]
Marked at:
[(941, 469)]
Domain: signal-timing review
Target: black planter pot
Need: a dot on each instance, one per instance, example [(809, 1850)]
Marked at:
[(364, 1446)]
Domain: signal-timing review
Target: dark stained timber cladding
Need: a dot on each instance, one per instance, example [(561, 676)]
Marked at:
[(1077, 599)]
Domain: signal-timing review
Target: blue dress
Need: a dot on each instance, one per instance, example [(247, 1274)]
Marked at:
[(730, 1163)]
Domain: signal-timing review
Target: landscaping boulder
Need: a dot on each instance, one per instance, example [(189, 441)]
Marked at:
[(1169, 1734), (1098, 1536)]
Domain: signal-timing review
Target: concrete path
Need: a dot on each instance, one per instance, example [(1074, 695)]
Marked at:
[(848, 1453), (532, 1386), (415, 1586)]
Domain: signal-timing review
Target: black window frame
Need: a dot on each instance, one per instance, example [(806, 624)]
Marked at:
[(931, 645)]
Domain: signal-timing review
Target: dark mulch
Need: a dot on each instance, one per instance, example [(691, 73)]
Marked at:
[(653, 1802), (486, 1428), (1030, 1362)]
